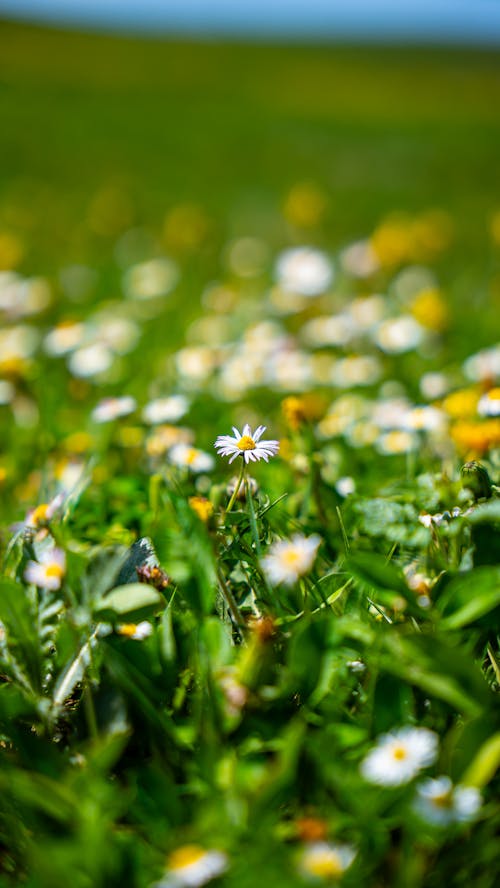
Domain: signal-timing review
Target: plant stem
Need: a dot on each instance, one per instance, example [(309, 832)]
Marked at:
[(238, 485)]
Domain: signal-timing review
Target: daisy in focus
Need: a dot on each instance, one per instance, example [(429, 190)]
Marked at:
[(287, 560), (399, 756), (247, 444), (324, 861), (440, 803), (48, 572), (190, 866)]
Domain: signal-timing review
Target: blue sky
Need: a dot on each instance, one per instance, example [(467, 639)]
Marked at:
[(473, 21)]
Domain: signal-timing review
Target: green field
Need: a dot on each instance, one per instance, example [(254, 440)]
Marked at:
[(294, 680)]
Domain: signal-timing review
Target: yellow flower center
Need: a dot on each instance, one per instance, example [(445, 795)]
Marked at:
[(185, 856), (325, 866), (399, 753), (246, 443), (290, 558), (39, 515), (54, 570), (444, 800), (127, 629), (191, 456)]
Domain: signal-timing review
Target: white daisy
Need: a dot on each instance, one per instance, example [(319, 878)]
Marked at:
[(440, 803), (489, 404), (399, 756), (325, 861), (191, 866), (287, 560), (165, 409), (136, 631), (109, 409), (48, 572), (44, 512), (90, 360), (247, 444), (186, 457), (304, 270)]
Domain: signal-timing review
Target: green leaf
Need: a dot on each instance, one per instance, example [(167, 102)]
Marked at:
[(485, 765), (132, 601), (486, 513), (469, 596), (18, 615)]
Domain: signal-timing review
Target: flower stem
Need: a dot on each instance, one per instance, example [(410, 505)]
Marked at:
[(238, 485)]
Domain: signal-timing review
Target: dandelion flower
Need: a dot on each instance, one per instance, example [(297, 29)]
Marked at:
[(324, 861), (399, 756), (287, 560), (440, 803), (190, 866), (48, 571), (247, 444)]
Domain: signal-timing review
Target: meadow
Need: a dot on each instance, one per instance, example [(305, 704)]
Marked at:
[(250, 412)]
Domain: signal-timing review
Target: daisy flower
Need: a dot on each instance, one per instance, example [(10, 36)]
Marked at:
[(287, 560), (165, 409), (325, 861), (44, 512), (48, 572), (399, 756), (113, 408), (440, 803), (186, 457), (247, 444), (190, 866), (136, 631)]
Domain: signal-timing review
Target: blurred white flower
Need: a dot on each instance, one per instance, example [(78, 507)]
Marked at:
[(484, 365), (359, 259), (91, 360), (334, 330), (304, 270), (150, 279), (397, 441), (434, 385), (165, 409), (287, 560), (18, 343), (398, 335), (345, 486), (441, 803), (247, 444), (195, 362), (113, 408), (135, 631), (64, 338), (191, 866), (325, 861), (48, 571), (399, 756), (186, 457), (356, 370), (489, 403)]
